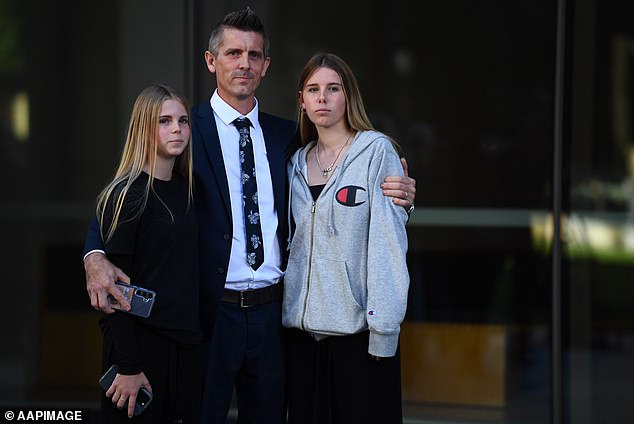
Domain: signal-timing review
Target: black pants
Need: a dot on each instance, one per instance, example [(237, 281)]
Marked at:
[(336, 381), (173, 370), (246, 352)]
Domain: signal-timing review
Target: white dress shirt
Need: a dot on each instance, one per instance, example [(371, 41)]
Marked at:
[(240, 275)]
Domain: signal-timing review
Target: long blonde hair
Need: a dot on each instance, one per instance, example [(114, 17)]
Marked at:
[(141, 148)]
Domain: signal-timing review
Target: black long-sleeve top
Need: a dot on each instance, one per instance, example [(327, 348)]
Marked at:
[(158, 250)]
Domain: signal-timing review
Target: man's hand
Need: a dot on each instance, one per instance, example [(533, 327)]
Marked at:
[(125, 388), (402, 190), (101, 275)]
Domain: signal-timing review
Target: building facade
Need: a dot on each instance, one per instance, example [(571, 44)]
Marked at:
[(517, 120)]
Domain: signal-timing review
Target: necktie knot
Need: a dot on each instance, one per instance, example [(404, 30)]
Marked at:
[(241, 123)]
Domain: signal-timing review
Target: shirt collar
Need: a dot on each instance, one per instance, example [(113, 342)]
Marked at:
[(228, 114)]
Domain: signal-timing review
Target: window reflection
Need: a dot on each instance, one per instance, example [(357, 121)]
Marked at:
[(20, 116)]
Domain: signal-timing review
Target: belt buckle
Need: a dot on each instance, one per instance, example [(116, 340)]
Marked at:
[(242, 295)]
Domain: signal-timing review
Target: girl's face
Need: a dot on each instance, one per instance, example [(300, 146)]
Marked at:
[(173, 131), (324, 99)]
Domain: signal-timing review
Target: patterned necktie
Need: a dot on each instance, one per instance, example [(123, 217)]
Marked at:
[(255, 249)]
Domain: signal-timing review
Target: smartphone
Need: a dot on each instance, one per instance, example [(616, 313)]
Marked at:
[(141, 299), (143, 397)]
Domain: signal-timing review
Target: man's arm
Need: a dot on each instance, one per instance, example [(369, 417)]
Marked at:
[(101, 274), (402, 190)]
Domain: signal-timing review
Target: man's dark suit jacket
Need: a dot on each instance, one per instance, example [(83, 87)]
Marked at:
[(213, 206)]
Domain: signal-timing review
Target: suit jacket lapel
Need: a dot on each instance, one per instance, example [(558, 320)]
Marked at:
[(277, 162), (206, 123)]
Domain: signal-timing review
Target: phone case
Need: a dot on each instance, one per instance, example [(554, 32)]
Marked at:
[(143, 399), (141, 299), (106, 380)]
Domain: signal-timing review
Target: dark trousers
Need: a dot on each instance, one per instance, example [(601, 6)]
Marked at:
[(173, 370), (335, 381), (246, 351)]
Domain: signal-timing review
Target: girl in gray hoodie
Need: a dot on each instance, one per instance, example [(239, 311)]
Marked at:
[(345, 288)]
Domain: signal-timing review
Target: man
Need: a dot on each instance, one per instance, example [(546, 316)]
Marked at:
[(242, 251)]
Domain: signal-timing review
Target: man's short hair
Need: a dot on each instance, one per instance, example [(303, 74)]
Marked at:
[(243, 20)]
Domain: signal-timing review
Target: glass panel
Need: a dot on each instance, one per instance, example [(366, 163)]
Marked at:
[(474, 111), (57, 76), (598, 315)]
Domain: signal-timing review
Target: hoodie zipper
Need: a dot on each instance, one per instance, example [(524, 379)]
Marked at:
[(310, 254), (310, 262)]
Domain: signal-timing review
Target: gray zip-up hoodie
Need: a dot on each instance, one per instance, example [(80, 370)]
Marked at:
[(347, 271)]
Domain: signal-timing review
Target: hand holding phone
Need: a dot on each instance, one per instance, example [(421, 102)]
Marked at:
[(140, 299), (143, 396)]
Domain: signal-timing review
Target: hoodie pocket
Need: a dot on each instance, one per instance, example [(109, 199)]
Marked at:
[(331, 308)]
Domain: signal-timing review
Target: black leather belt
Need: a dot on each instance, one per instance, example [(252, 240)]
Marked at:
[(253, 297)]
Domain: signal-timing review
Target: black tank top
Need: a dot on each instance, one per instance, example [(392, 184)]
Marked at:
[(315, 190)]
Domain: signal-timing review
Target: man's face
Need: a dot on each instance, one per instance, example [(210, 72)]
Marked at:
[(239, 65)]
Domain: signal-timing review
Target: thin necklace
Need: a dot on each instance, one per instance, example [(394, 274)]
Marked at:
[(326, 171)]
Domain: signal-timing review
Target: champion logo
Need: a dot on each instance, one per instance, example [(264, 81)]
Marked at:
[(352, 195), (372, 312)]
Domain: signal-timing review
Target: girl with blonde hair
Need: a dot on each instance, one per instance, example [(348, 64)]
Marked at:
[(149, 229)]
